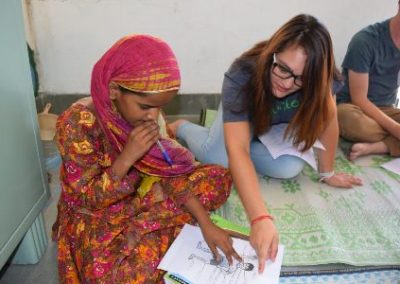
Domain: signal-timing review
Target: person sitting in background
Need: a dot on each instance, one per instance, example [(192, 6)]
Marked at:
[(366, 106), (295, 67), (122, 204)]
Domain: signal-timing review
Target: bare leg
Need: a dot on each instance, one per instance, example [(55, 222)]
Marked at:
[(362, 149), (175, 125)]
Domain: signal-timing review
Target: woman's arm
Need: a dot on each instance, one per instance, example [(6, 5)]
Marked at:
[(237, 140), (326, 159), (263, 235)]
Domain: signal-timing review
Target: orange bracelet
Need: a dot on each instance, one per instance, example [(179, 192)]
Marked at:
[(262, 217)]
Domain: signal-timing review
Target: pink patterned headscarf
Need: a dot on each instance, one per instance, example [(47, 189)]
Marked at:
[(143, 64)]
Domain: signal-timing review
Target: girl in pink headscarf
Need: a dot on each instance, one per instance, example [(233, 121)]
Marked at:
[(122, 203)]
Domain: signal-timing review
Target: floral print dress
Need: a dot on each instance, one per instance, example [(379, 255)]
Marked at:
[(106, 232)]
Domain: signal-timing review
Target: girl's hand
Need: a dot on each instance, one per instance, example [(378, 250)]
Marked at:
[(141, 138), (264, 239), (217, 237), (343, 180)]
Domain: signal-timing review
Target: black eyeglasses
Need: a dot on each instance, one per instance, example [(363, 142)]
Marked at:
[(285, 73)]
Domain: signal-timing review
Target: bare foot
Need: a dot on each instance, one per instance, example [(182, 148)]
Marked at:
[(175, 125), (362, 149)]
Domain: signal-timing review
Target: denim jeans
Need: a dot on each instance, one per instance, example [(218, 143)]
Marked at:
[(208, 145)]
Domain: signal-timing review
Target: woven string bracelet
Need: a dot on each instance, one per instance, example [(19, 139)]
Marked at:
[(324, 176), (262, 217)]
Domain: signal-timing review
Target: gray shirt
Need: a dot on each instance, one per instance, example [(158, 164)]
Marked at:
[(373, 51), (234, 99)]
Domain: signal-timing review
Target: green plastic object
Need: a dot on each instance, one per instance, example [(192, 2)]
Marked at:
[(228, 225)]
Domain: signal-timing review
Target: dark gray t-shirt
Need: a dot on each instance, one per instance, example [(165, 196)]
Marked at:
[(234, 98), (372, 51)]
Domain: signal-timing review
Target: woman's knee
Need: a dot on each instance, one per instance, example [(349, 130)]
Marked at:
[(284, 167), (291, 166)]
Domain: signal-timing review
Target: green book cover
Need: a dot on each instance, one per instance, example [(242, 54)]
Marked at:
[(207, 117), (228, 225), (171, 278)]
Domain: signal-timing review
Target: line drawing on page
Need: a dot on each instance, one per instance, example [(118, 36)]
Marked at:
[(222, 272), (190, 257)]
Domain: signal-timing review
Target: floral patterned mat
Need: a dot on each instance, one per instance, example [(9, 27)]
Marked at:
[(384, 276), (321, 225)]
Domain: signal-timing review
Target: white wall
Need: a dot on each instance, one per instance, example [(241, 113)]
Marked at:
[(206, 35)]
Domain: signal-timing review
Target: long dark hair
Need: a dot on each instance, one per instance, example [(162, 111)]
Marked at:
[(315, 109)]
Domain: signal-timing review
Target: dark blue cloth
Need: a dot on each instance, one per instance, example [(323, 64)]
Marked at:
[(373, 51)]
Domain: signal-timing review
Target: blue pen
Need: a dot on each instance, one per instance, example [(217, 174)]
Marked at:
[(165, 153)]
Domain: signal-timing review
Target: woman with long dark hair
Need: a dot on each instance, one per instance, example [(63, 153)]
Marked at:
[(289, 78)]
